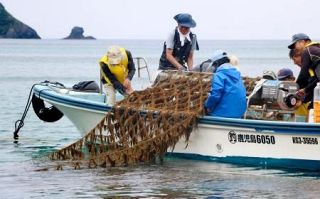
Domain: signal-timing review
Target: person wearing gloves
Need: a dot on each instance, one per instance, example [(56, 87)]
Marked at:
[(117, 71), (228, 94), (179, 47)]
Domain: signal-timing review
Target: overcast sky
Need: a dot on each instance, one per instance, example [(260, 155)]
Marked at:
[(150, 19)]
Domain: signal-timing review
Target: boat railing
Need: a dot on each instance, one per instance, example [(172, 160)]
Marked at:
[(141, 63)]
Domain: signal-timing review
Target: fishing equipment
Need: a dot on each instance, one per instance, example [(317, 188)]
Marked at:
[(48, 114), (142, 127)]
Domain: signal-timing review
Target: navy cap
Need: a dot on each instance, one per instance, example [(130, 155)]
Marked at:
[(185, 19), (298, 37), (284, 73)]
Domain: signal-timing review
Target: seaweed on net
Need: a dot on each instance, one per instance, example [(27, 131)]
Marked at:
[(143, 126)]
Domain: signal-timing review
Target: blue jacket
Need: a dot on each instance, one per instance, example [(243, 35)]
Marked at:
[(228, 94)]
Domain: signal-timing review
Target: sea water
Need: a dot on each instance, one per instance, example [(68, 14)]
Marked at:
[(26, 62)]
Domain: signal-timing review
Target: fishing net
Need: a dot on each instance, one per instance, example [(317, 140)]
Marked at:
[(250, 83), (143, 126)]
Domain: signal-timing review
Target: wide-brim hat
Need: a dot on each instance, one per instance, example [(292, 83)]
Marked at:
[(298, 37), (185, 19), (114, 55)]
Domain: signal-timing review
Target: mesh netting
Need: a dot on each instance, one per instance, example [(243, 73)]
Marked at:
[(250, 83), (142, 127)]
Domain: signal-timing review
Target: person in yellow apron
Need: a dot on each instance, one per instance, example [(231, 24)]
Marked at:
[(117, 70)]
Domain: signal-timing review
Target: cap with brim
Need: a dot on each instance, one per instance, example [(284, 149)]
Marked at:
[(218, 54), (268, 74), (284, 73), (114, 55), (185, 19), (298, 37)]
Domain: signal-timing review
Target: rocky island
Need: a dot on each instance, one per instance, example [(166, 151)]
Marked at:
[(12, 28), (77, 33)]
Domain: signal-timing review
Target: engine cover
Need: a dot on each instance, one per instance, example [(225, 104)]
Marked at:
[(276, 94)]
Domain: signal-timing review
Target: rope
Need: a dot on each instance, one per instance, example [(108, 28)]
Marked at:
[(20, 123)]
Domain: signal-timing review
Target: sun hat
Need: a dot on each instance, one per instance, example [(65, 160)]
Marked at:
[(298, 37), (284, 73), (185, 19), (218, 54), (114, 55)]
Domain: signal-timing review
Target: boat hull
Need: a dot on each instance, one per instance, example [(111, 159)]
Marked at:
[(249, 142), (248, 146)]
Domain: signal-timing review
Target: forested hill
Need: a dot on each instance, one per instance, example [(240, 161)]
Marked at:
[(10, 27)]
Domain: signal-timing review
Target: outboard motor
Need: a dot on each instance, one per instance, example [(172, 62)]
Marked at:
[(273, 96), (279, 94)]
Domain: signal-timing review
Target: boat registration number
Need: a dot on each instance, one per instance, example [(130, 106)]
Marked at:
[(250, 138), (304, 140)]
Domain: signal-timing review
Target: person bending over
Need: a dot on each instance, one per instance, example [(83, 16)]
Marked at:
[(117, 71), (228, 94), (310, 65)]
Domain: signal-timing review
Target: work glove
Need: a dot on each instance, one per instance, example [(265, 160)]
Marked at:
[(119, 87)]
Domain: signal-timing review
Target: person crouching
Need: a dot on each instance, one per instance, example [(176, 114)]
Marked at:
[(117, 71), (228, 94)]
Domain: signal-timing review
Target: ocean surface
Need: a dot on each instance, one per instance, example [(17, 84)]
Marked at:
[(26, 62)]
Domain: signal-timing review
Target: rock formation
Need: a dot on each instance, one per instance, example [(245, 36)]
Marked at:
[(10, 27), (77, 33)]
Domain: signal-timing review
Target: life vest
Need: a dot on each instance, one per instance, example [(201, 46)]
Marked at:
[(120, 71), (312, 43), (311, 70), (180, 53)]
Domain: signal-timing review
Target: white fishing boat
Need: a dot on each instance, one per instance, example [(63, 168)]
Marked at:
[(266, 143)]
